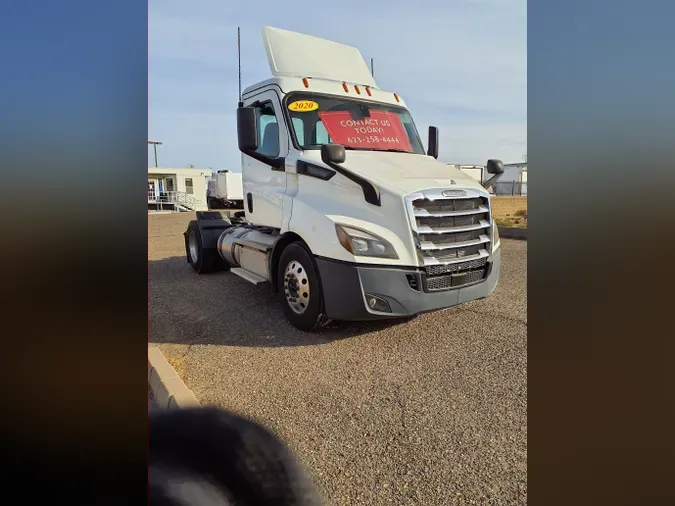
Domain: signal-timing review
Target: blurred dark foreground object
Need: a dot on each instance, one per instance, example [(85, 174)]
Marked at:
[(206, 456)]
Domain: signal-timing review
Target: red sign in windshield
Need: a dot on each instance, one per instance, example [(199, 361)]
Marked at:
[(382, 130)]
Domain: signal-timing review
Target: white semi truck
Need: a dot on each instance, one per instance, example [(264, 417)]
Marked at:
[(225, 190), (345, 214)]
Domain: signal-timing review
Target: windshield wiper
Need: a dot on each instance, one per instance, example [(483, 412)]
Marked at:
[(353, 148), (393, 150)]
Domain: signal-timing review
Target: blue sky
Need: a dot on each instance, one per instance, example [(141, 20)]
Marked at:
[(460, 65)]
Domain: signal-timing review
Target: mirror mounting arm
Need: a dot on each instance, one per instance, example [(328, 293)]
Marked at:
[(333, 155), (491, 181)]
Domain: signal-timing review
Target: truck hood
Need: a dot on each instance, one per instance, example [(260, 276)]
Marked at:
[(403, 173)]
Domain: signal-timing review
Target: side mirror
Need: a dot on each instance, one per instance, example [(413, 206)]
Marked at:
[(247, 129), (333, 153), (432, 149), (495, 167)]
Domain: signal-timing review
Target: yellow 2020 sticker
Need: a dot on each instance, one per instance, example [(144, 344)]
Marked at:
[(303, 106)]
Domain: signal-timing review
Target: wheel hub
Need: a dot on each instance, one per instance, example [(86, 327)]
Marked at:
[(296, 286), (193, 246)]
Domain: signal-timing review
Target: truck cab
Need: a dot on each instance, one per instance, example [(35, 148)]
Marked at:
[(346, 215)]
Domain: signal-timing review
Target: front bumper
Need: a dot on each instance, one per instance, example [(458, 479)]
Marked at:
[(344, 286)]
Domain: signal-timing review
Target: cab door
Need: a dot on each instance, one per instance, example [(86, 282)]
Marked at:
[(264, 180)]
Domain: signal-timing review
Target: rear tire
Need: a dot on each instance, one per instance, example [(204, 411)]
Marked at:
[(300, 289), (202, 260)]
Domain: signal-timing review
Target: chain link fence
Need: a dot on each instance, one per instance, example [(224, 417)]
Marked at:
[(509, 188)]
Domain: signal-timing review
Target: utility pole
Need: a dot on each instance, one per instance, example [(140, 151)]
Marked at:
[(372, 68), (154, 143)]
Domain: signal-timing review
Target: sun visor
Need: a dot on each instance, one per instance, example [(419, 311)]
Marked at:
[(292, 54)]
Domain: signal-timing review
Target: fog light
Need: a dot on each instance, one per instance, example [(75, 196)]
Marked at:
[(377, 303)]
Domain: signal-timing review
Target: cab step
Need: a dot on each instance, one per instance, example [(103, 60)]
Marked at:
[(249, 276)]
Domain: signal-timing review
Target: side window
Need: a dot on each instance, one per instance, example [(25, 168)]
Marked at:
[(268, 130), (188, 186), (299, 128), (321, 134), (406, 121)]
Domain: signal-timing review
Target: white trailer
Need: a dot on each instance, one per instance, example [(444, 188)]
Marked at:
[(346, 216), (474, 171), (513, 181), (225, 190)]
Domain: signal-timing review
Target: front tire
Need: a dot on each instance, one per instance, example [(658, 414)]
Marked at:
[(300, 289)]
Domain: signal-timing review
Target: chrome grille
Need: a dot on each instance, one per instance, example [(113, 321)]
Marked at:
[(455, 280), (451, 237), (448, 204), (452, 234), (456, 255), (435, 270), (450, 221)]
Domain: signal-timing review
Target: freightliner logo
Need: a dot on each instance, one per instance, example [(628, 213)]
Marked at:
[(454, 193)]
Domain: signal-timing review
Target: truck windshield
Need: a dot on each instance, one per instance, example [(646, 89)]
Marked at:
[(356, 124)]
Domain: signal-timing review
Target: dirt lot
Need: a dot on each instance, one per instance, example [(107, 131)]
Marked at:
[(429, 412), (510, 211)]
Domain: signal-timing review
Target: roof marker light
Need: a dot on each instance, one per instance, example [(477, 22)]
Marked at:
[(368, 91), (305, 81), (356, 87), (396, 97), (346, 88)]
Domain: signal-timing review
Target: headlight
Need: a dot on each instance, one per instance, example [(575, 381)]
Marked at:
[(496, 241), (365, 244)]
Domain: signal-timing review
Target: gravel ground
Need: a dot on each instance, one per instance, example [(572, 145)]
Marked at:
[(432, 411)]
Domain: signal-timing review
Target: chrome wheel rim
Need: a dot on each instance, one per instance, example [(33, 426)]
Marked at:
[(296, 286), (193, 246)]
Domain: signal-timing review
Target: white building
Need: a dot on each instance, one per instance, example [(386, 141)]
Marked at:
[(474, 171), (513, 181), (515, 172), (177, 189)]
